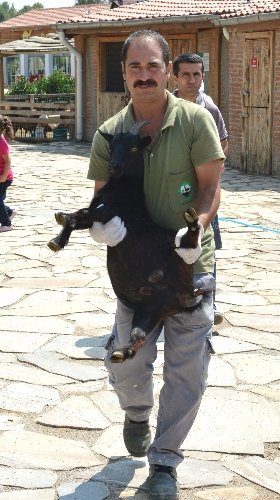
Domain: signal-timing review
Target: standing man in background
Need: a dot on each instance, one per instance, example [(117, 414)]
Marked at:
[(188, 73)]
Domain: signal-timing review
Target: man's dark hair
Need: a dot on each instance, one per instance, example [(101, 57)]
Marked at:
[(154, 35), (188, 57)]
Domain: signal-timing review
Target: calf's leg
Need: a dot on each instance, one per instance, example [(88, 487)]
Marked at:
[(82, 219), (146, 317)]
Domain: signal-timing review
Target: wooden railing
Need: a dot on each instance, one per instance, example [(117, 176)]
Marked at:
[(41, 117)]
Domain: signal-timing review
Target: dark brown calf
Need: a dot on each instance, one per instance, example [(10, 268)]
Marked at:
[(145, 271)]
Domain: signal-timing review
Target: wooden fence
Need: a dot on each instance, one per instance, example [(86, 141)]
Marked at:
[(41, 117)]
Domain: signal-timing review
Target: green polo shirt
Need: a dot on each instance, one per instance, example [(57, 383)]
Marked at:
[(188, 138)]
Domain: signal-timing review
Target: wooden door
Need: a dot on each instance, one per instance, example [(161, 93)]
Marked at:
[(109, 103), (256, 105), (179, 44), (111, 95)]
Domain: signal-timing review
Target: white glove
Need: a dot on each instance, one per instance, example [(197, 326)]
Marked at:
[(189, 255), (111, 233)]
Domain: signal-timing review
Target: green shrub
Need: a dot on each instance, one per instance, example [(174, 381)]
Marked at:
[(21, 86), (56, 83), (59, 83), (40, 85)]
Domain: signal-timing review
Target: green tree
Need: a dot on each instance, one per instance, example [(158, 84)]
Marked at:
[(7, 12), (27, 8)]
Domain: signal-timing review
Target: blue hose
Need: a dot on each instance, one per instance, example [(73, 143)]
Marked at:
[(257, 226)]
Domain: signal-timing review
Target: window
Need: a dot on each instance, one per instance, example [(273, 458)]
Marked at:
[(36, 67), (111, 73), (62, 63), (12, 68)]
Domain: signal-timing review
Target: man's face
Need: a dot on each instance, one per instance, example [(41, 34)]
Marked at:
[(189, 78), (145, 71)]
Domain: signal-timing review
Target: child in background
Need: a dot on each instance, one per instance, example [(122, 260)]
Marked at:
[(6, 174)]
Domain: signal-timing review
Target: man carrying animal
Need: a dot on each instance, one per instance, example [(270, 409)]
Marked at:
[(182, 170), (188, 73)]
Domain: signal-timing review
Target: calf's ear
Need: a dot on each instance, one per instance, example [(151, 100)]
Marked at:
[(106, 135)]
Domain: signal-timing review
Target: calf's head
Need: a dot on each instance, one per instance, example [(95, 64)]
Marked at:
[(126, 151)]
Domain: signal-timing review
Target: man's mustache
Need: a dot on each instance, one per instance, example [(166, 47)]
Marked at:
[(147, 83)]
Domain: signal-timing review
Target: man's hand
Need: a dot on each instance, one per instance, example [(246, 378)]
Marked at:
[(189, 255), (111, 233)]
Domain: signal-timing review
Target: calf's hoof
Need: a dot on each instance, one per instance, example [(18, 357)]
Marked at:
[(121, 355), (60, 218), (136, 341), (191, 218), (54, 246)]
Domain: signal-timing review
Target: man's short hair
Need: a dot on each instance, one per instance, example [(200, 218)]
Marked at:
[(188, 57), (148, 34)]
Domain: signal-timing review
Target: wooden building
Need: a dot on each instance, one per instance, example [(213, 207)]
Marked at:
[(238, 40)]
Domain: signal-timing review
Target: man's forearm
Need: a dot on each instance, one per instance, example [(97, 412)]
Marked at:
[(207, 204)]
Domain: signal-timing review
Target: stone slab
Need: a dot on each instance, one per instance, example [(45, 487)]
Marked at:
[(199, 473), (54, 363), (233, 430), (79, 347), (256, 368), (92, 321), (51, 309), (83, 387), (129, 472), (27, 449), (8, 297), (7, 357), (48, 494), (110, 444), (53, 283), (83, 491), (75, 412), (270, 309), (19, 372), (240, 299), (27, 398), (229, 493), (270, 419), (108, 403), (224, 345), (263, 322), (220, 373), (22, 341), (11, 423), (257, 285), (262, 338), (258, 470), (36, 325), (27, 478)]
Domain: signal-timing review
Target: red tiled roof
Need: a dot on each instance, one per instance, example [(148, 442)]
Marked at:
[(146, 9), (149, 9), (49, 17)]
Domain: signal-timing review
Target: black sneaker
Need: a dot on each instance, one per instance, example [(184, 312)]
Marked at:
[(137, 437), (163, 482)]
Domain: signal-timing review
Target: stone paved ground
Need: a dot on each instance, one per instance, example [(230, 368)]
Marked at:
[(60, 425)]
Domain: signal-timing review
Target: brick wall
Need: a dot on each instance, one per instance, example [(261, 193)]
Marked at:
[(9, 35), (91, 64), (235, 54)]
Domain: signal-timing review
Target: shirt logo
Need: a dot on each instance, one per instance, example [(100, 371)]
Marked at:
[(184, 189)]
